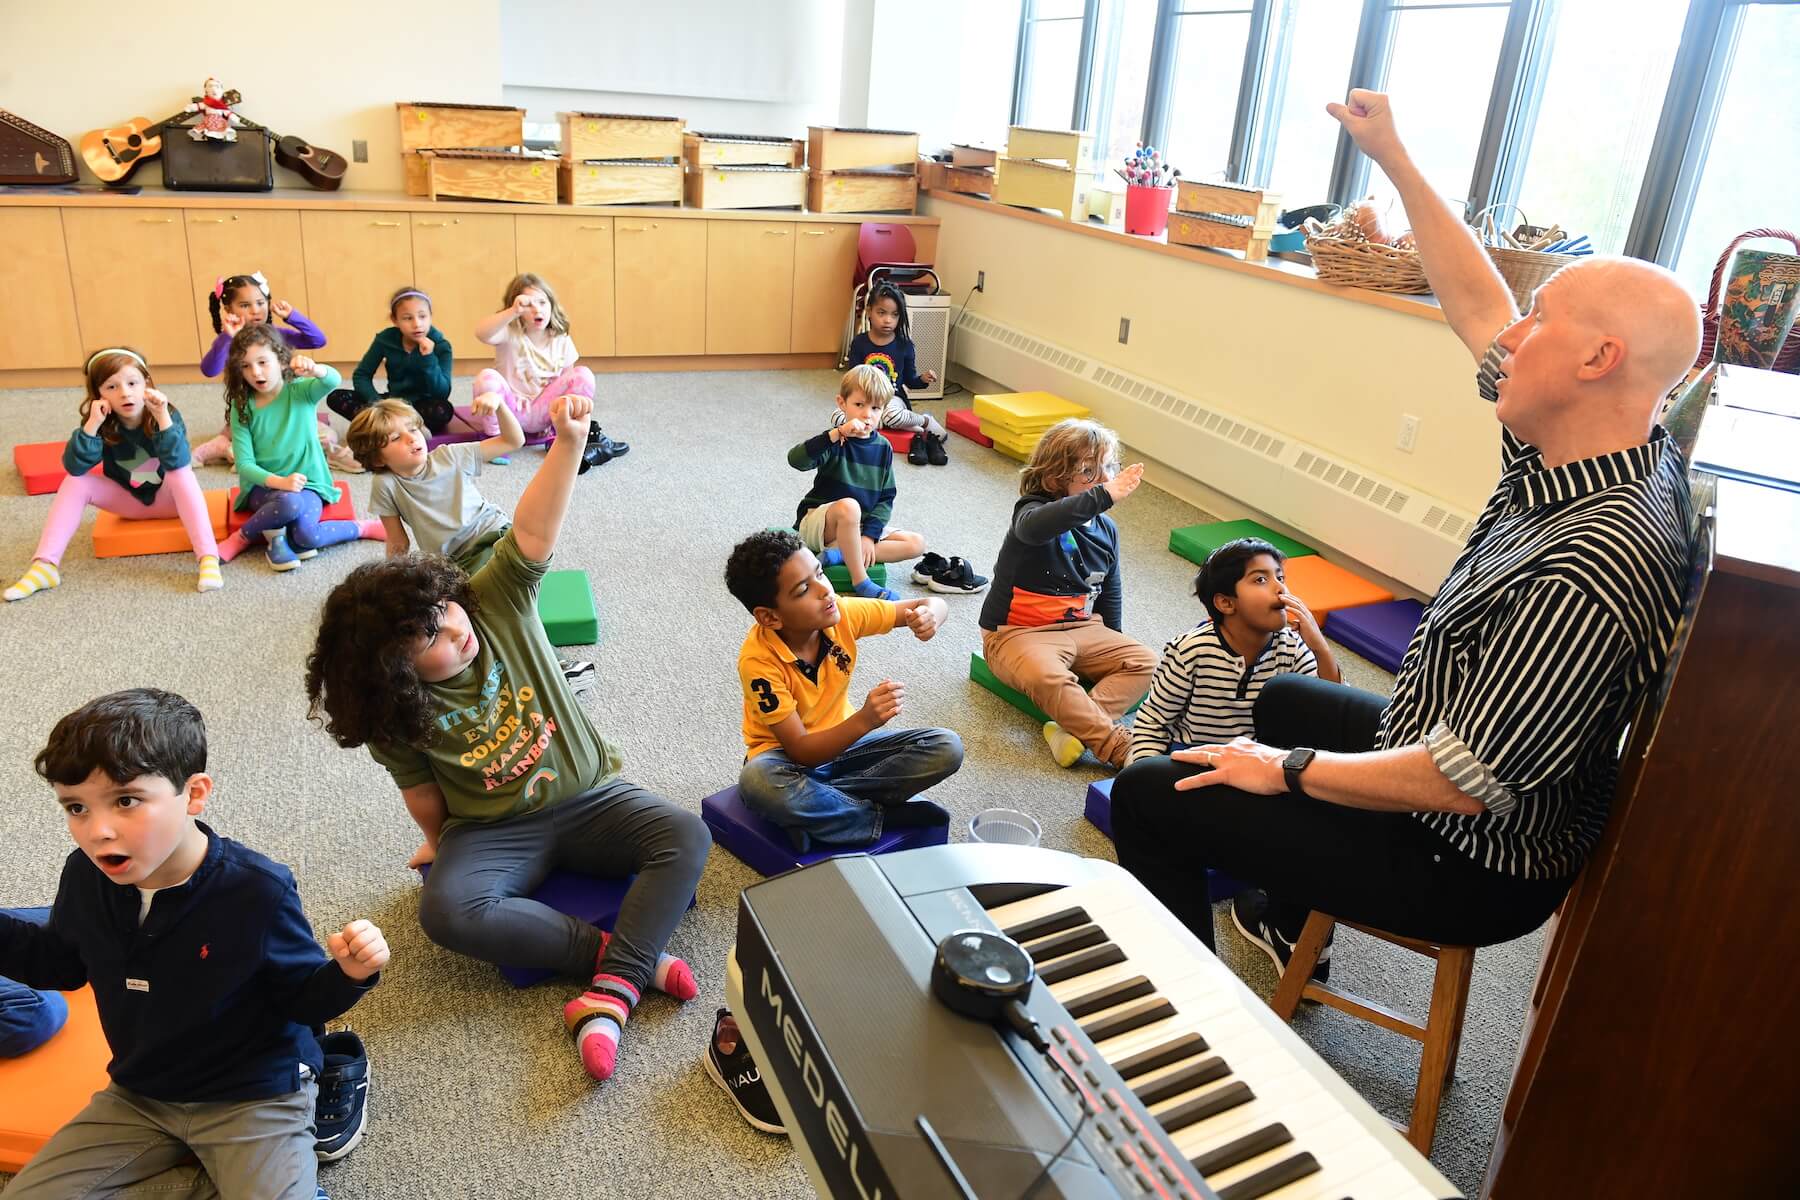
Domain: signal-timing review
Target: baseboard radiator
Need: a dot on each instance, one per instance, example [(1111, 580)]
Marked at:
[(1398, 530)]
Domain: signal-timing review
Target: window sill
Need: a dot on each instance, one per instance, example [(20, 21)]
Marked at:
[(1275, 269)]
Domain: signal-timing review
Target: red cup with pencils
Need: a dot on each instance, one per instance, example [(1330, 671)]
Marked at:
[(1147, 209)]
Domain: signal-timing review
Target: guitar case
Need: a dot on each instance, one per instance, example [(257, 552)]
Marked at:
[(245, 165), (32, 155)]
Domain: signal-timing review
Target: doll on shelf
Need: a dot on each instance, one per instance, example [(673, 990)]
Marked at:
[(216, 118)]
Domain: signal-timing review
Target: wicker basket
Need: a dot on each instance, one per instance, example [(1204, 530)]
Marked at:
[(1523, 270), (1343, 256)]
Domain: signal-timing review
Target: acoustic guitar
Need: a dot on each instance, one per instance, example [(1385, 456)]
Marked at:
[(114, 154), (322, 168)]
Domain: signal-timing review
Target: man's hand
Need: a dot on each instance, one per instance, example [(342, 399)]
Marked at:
[(883, 704), (359, 950), (1125, 482), (1369, 120), (1242, 763)]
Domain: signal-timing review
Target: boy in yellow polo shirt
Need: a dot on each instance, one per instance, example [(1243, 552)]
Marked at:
[(813, 765)]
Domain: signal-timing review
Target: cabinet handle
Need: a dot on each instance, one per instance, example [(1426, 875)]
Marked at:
[(776, 232), (601, 228), (206, 220), (155, 220), (634, 229), (815, 233), (385, 224), (432, 224)]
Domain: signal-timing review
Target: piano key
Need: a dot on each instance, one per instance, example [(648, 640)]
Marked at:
[(1242, 1149), (1071, 989), (1060, 944), (1300, 1114), (1056, 922), (1124, 1020), (1107, 996), (1208, 1104), (1269, 1178), (1337, 1173), (1188, 1045), (1103, 955), (1324, 1142), (1186, 1079)]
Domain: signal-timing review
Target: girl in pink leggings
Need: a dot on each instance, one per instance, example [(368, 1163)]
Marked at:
[(535, 360), (138, 439)]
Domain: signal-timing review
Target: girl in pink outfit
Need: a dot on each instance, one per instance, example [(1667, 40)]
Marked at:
[(535, 361), (138, 440)]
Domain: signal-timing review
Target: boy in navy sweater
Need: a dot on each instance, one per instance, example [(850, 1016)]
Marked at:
[(843, 519), (205, 972)]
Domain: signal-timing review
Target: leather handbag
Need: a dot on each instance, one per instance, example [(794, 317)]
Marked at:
[(245, 165)]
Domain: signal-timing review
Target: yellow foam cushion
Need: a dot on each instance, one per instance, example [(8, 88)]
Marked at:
[(40, 1091), (1026, 412)]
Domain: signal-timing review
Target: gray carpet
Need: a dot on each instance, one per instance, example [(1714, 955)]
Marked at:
[(476, 1090)]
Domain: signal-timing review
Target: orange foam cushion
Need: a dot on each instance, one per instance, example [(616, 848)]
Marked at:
[(40, 1091), (343, 510), (117, 537), (1325, 586), (40, 466)]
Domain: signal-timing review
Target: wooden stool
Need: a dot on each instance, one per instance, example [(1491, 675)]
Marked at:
[(1440, 1035)]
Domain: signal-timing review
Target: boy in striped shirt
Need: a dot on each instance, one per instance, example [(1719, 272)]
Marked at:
[(1205, 688)]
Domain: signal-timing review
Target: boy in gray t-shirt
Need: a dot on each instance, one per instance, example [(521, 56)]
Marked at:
[(429, 500)]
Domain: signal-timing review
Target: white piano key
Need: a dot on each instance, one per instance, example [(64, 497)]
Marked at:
[(1298, 1114), (1320, 1141), (1337, 1169)]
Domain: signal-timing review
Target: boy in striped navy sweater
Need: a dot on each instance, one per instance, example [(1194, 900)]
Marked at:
[(843, 519), (1205, 688)]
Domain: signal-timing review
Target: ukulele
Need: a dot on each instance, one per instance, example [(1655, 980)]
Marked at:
[(114, 154), (323, 168)]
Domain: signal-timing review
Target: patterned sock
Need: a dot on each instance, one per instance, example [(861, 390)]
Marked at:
[(210, 579), (672, 976), (233, 546), (597, 1019), (40, 576), (831, 556), (1064, 747), (371, 530)]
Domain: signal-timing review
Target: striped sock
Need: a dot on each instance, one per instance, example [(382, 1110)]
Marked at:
[(210, 579), (672, 976), (597, 1019), (40, 576)]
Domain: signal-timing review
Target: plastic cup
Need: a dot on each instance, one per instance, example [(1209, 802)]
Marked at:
[(1004, 827)]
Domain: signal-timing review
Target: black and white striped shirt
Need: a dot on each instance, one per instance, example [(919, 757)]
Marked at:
[(1203, 691), (1554, 620)]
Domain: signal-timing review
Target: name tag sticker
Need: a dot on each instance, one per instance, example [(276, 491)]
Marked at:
[(137, 985)]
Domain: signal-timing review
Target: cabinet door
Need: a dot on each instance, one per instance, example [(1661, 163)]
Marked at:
[(824, 269), (132, 281), (659, 269), (354, 261), (749, 287), (576, 255), (37, 303), (224, 241), (465, 263)]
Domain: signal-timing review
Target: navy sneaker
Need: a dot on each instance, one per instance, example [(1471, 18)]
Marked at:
[(738, 1074), (959, 578), (1250, 913), (929, 567), (342, 1112)]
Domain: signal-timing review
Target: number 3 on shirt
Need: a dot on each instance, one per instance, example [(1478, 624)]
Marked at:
[(765, 695)]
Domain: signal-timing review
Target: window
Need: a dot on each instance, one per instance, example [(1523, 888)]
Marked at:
[(1210, 40), (1594, 126), (1751, 174), (1122, 78), (1052, 30), (1309, 67)]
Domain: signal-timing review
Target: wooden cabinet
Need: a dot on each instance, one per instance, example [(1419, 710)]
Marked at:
[(659, 279), (575, 254), (749, 287), (465, 262), (132, 281), (824, 268), (37, 303), (241, 242), (354, 261)]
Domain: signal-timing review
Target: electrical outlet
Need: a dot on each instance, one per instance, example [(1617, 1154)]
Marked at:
[(1124, 330), (1409, 432), (359, 150), (981, 281)]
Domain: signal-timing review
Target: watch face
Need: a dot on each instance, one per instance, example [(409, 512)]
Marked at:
[(1297, 760)]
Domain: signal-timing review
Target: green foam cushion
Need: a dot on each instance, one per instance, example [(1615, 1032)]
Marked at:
[(566, 607), (840, 577), (981, 673), (1195, 542)]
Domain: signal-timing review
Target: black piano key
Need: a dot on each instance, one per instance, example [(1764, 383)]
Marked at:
[(1057, 945), (1104, 998), (1207, 1070), (1188, 1045), (1222, 1158), (1210, 1105), (1269, 1178), (1144, 1012), (1056, 922), (1077, 965)]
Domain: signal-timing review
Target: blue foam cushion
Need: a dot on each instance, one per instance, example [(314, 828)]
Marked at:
[(1378, 632), (764, 845)]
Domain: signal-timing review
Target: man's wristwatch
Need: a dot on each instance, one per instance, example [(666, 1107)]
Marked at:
[(1297, 760)]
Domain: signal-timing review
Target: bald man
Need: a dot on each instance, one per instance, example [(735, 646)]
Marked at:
[(1460, 810)]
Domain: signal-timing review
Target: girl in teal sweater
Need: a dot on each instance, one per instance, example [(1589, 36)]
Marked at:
[(272, 398)]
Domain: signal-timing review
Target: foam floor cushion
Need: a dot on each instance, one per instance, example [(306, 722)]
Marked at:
[(454, 436), (342, 509), (964, 421), (566, 607), (1378, 632), (764, 846), (40, 1091), (40, 466), (983, 674), (900, 439), (1195, 542), (1026, 412), (1098, 811), (1327, 587), (1019, 445), (117, 537), (840, 577)]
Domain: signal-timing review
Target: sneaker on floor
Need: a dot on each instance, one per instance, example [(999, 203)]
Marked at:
[(959, 578), (580, 673), (929, 567), (918, 454), (936, 452), (1250, 913), (739, 1075), (1065, 748), (342, 1112), (281, 555)]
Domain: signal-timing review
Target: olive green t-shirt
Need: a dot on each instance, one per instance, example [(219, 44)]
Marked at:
[(512, 738)]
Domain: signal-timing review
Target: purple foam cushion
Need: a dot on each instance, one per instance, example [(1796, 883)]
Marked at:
[(1378, 632), (764, 845)]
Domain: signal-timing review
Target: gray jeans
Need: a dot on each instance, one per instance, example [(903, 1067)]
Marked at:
[(475, 897), (123, 1144)]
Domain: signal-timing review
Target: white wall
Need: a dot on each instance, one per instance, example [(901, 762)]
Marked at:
[(330, 72)]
